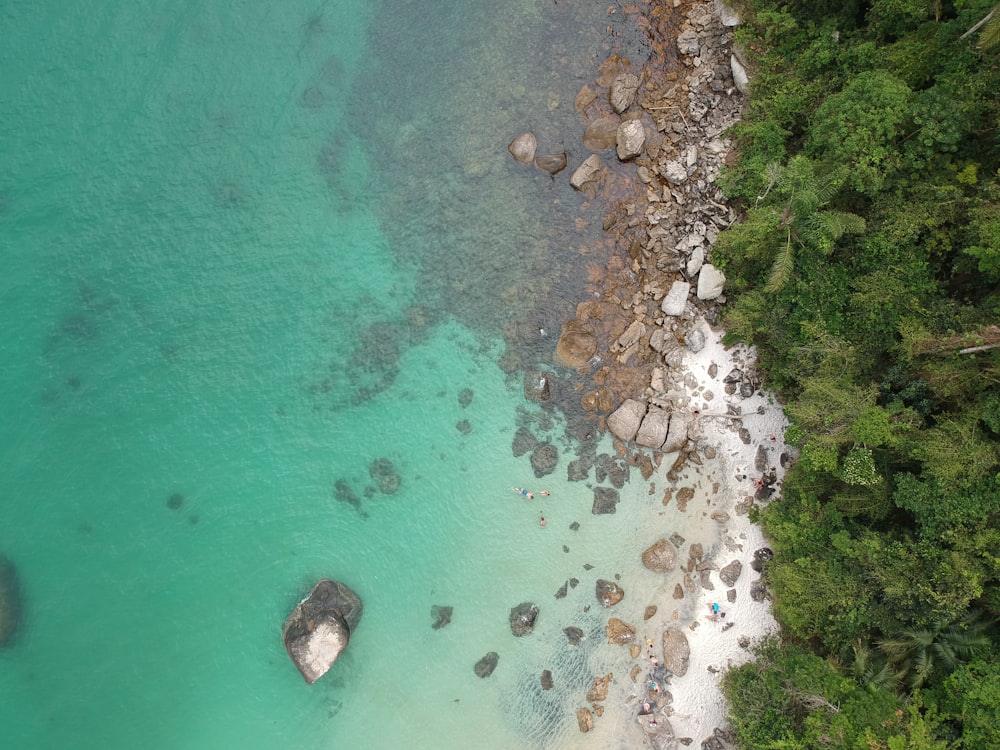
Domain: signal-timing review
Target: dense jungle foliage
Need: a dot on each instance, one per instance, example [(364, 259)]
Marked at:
[(866, 272)]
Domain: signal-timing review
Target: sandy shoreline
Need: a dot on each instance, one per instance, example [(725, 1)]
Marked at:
[(738, 436)]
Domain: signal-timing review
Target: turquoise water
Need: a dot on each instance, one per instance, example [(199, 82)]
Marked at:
[(248, 250)]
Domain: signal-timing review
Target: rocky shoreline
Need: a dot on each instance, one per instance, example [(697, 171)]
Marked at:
[(644, 355)]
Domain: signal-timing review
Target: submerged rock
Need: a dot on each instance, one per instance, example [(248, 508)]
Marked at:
[(10, 601), (608, 593), (319, 628), (522, 618), (485, 666), (441, 615), (383, 472)]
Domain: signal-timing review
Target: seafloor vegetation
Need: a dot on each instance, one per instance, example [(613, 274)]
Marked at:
[(866, 272)]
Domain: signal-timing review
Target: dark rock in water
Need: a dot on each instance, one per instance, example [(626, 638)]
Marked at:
[(319, 628), (524, 442), (574, 635), (522, 618), (465, 397), (551, 163), (175, 501), (577, 470), (11, 604), (464, 427), (547, 683), (544, 460), (573, 582), (608, 593), (561, 593), (383, 472), (605, 500), (344, 493), (485, 666), (441, 615), (575, 526)]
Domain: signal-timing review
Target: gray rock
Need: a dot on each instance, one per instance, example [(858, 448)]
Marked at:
[(696, 261), (624, 422), (676, 652), (587, 173), (730, 574), (522, 618), (674, 172), (319, 628), (544, 460), (524, 442), (383, 472), (523, 148), (710, 282), (485, 666), (623, 91), (695, 340), (675, 301), (608, 593), (605, 500), (653, 430), (630, 139), (574, 635), (601, 134), (740, 77), (536, 386), (546, 680), (551, 163), (661, 557), (678, 434), (727, 15), (688, 43)]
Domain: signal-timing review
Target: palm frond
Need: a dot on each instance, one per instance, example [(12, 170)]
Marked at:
[(781, 269), (990, 35)]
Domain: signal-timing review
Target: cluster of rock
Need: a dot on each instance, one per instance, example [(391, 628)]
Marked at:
[(319, 628)]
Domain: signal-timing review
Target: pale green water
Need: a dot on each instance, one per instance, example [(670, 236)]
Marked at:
[(247, 250)]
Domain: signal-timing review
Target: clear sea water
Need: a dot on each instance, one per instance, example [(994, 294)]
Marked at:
[(248, 248)]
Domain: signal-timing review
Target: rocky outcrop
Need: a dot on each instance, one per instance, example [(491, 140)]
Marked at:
[(599, 690), (676, 652), (619, 632), (544, 460), (650, 426), (10, 601), (661, 557), (584, 719), (730, 574), (384, 473), (319, 628), (522, 618)]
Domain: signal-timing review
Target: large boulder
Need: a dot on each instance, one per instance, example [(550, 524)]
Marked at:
[(551, 163), (675, 300), (730, 574), (711, 282), (319, 628), (676, 652), (653, 431), (441, 616), (10, 601), (661, 557), (522, 618), (677, 435), (383, 472), (576, 344), (624, 422)]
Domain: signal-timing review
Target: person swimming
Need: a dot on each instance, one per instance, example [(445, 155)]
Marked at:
[(522, 491)]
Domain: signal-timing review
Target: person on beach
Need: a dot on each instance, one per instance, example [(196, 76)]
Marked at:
[(715, 608)]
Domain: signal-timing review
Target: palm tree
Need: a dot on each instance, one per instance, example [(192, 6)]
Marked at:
[(990, 24), (940, 647), (804, 221)]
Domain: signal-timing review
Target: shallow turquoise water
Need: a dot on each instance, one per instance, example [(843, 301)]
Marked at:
[(248, 250)]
